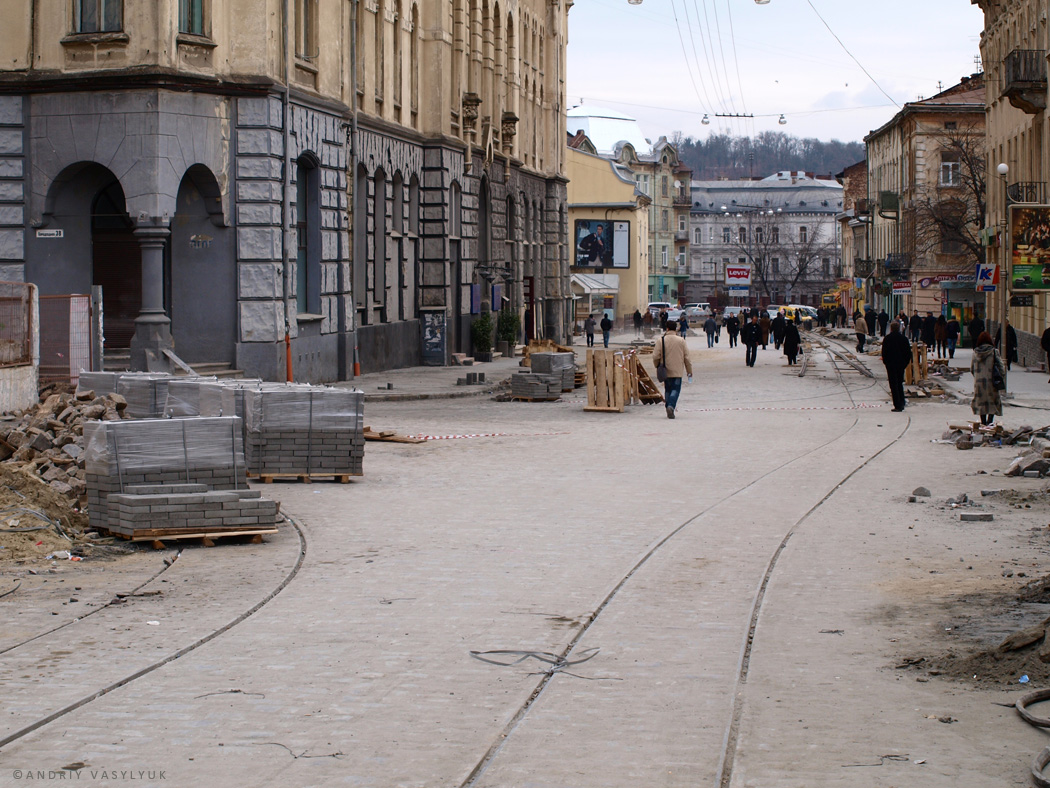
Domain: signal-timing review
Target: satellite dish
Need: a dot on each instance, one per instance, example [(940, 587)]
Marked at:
[(678, 184)]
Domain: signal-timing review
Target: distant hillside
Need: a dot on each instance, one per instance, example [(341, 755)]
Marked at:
[(725, 156)]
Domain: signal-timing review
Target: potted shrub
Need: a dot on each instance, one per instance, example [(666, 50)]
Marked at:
[(481, 336), (507, 327)]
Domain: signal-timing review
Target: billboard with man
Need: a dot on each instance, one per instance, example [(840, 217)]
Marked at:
[(601, 244)]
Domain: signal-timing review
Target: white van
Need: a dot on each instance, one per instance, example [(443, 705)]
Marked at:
[(698, 310)]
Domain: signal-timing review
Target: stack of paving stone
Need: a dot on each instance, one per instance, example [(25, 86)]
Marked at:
[(303, 431), (121, 454), (537, 386), (184, 396), (167, 510), (563, 364)]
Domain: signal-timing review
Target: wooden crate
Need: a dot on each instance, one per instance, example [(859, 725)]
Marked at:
[(606, 381), (919, 368)]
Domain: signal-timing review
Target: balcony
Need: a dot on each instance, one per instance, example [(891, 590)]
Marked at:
[(682, 236), (863, 268), (683, 200), (1024, 80), (898, 263), (1027, 192)]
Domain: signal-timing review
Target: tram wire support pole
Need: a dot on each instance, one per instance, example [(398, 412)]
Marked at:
[(1004, 298)]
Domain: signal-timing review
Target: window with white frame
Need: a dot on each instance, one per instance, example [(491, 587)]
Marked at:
[(774, 235), (726, 235), (698, 235), (663, 257), (803, 234), (950, 171), (663, 185), (643, 183), (741, 235), (98, 16), (759, 235), (681, 224)]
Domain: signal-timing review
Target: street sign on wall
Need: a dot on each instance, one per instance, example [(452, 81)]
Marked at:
[(1029, 247)]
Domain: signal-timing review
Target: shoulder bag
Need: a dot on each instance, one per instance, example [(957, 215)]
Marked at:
[(661, 371)]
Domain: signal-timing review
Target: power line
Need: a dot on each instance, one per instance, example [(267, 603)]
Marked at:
[(736, 62), (685, 54), (846, 50), (696, 58)]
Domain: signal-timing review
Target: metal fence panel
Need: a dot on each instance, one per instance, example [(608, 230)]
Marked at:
[(65, 337), (16, 324)]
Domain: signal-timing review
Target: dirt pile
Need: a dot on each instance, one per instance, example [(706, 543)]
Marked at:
[(42, 477)]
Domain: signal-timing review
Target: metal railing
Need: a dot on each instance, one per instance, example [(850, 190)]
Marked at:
[(1027, 192), (1024, 67)]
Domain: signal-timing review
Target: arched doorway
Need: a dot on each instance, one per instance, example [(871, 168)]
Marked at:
[(116, 265), (201, 278)]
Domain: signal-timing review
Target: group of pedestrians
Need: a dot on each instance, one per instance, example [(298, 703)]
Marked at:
[(606, 326)]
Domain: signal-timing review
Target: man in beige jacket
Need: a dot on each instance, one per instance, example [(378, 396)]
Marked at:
[(672, 352)]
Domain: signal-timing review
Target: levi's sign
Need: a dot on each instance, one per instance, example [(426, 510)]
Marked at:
[(738, 275)]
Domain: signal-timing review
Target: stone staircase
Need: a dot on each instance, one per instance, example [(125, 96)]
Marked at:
[(116, 360)]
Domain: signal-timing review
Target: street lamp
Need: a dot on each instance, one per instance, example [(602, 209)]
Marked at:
[(1004, 299)]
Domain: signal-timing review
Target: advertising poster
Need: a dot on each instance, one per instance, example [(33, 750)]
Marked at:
[(601, 244), (738, 275), (1029, 247)]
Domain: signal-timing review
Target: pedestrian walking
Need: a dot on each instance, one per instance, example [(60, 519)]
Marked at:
[(792, 342), (637, 324), (663, 319), (1045, 343), (884, 321), (975, 328), (1011, 343), (588, 329), (606, 326), (840, 316), (986, 365), (673, 353), (683, 326), (896, 355), (872, 319), (710, 328), (763, 324), (751, 336), (732, 329), (915, 327), (953, 336), (860, 328), (647, 323), (929, 330), (940, 336), (778, 327)]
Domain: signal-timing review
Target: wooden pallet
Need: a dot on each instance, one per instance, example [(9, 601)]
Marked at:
[(607, 381), (157, 536), (389, 436), (646, 389), (305, 478), (919, 368)]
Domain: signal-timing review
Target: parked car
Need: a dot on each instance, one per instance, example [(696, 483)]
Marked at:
[(673, 312), (697, 311), (731, 310)]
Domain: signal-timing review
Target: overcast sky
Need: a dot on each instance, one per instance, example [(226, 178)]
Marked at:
[(767, 60)]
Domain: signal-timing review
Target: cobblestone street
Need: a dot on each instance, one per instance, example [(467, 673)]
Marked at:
[(615, 563)]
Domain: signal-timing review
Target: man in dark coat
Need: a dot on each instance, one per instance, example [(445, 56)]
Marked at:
[(873, 320), (637, 323), (606, 326), (751, 336), (1011, 344), (792, 340), (929, 330), (763, 325), (778, 324), (915, 327), (975, 329), (896, 355), (1045, 343), (884, 320), (732, 328), (840, 317), (593, 248)]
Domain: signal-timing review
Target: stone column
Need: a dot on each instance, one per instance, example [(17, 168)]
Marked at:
[(152, 326)]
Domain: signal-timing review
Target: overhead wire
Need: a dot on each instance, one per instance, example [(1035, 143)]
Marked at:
[(709, 52), (685, 53), (855, 60), (736, 62), (696, 57)]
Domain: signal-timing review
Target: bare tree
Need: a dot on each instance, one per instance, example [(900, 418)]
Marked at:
[(803, 255), (756, 239), (949, 210)]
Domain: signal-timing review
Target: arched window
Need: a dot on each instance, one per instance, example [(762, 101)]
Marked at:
[(803, 233), (308, 236), (741, 235)]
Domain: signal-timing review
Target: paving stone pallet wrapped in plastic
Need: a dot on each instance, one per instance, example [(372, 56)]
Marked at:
[(295, 430), (184, 396), (536, 385), (118, 454), (563, 364)]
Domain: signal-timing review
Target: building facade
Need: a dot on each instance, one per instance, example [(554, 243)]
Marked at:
[(855, 229), (1014, 47), (602, 193), (782, 226), (303, 183), (926, 202)]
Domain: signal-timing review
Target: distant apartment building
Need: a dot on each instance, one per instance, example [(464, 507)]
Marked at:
[(782, 226)]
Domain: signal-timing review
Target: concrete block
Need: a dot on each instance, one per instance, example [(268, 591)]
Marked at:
[(10, 142), (258, 191), (253, 112), (11, 111), (258, 213), (261, 321), (11, 191), (11, 168), (976, 517), (259, 280), (258, 243), (258, 167), (259, 141), (12, 244), (12, 215)]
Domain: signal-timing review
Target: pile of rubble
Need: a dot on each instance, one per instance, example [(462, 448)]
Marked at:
[(47, 440), (1032, 462)]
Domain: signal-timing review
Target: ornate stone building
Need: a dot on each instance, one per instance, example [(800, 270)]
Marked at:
[(920, 178), (1014, 47), (235, 172)]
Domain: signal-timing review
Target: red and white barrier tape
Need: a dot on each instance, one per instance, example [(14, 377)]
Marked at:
[(861, 406), (485, 435)]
